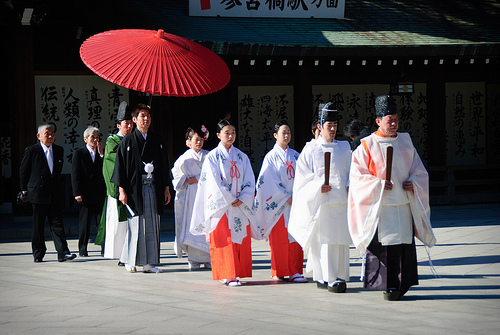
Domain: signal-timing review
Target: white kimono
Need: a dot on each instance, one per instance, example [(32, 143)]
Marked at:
[(391, 212), (115, 230), (319, 219), (186, 166), (225, 176), (274, 188)]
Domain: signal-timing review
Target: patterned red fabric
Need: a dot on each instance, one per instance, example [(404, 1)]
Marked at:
[(229, 260)]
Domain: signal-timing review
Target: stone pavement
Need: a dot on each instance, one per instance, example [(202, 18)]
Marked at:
[(95, 296)]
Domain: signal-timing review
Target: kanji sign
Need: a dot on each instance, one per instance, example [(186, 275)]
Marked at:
[(268, 8), (72, 103)]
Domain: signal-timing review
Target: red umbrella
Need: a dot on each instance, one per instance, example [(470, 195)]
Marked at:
[(155, 62)]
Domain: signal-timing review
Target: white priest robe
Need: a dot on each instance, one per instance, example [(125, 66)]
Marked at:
[(186, 166), (319, 220), (116, 230), (391, 212), (274, 188), (225, 176)]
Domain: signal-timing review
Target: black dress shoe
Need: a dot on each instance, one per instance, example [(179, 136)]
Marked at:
[(322, 286), (38, 260), (84, 254), (121, 264), (392, 295), (67, 258), (338, 287)]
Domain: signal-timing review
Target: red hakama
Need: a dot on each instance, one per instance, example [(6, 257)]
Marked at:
[(286, 258), (229, 260)]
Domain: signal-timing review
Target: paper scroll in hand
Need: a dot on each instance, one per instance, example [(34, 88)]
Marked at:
[(130, 211), (327, 168), (388, 168)]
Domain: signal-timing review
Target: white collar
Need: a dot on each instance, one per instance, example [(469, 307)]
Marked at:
[(92, 151), (276, 145), (45, 148), (223, 148), (385, 138), (281, 152), (324, 143)]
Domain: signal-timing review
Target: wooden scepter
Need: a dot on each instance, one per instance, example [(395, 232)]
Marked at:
[(388, 168), (327, 167)]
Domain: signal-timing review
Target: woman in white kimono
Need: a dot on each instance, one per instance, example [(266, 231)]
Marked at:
[(186, 173), (272, 206), (223, 208)]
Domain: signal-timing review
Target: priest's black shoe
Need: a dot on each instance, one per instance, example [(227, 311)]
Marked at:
[(321, 285), (392, 294), (38, 260), (67, 258), (84, 254), (338, 287)]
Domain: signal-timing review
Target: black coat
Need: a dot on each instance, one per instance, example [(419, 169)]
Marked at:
[(35, 177), (133, 152), (357, 141), (86, 177)]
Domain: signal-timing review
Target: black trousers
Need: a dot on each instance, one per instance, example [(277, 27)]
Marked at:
[(54, 214), (86, 214), (393, 266)]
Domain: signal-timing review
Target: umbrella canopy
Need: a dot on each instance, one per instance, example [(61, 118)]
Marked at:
[(155, 62)]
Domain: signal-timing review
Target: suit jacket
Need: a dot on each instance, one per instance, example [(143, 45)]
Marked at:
[(35, 177), (86, 177)]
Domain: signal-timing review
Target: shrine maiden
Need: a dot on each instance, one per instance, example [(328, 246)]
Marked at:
[(272, 206), (223, 208)]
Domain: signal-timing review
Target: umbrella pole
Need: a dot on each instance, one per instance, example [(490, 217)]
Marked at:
[(150, 100)]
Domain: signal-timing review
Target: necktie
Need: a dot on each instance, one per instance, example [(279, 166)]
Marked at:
[(50, 160)]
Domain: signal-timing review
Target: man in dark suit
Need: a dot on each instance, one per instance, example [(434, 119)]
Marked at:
[(41, 184), (89, 189)]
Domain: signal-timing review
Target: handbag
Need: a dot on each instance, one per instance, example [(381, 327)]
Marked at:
[(20, 199)]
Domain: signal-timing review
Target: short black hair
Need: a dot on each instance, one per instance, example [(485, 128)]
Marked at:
[(353, 128), (137, 108), (222, 124), (314, 125), (278, 125)]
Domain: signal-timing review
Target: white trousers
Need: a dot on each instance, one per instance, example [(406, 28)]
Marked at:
[(328, 262), (115, 230)]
